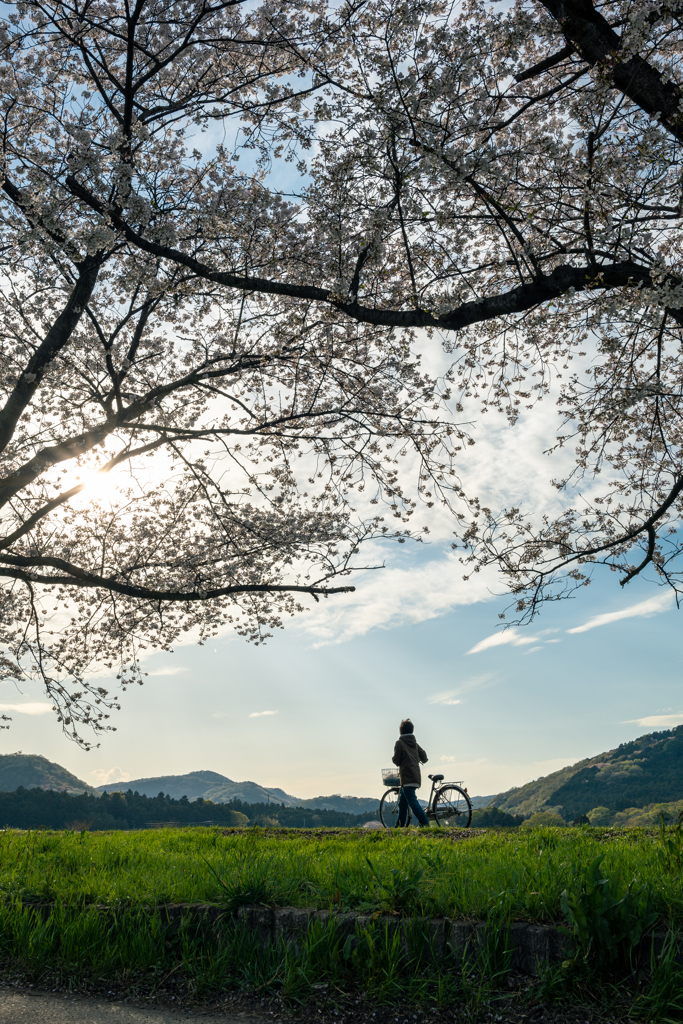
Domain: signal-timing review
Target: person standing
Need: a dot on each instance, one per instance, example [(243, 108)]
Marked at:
[(407, 756)]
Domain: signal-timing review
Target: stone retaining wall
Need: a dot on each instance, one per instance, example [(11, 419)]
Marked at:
[(532, 945)]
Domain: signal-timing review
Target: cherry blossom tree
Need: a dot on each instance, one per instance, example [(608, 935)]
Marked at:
[(225, 229)]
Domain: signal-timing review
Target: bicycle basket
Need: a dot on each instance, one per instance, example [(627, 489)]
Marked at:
[(391, 777)]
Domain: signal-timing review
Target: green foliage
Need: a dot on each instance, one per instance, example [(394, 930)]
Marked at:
[(607, 919), (35, 808), (104, 887), (639, 773), (493, 817), (662, 998), (35, 770), (544, 819), (525, 870), (671, 849), (400, 889), (600, 816)]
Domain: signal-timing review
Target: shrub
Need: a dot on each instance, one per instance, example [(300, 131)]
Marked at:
[(600, 816), (543, 819)]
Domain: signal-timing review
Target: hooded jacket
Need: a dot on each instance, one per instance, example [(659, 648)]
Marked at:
[(407, 755)]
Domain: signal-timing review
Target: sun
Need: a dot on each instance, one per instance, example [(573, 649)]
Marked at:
[(96, 486)]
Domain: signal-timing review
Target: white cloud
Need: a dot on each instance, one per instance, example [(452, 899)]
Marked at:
[(35, 708), (104, 778), (446, 698), (653, 605), (506, 636), (532, 649), (260, 714), (446, 757), (664, 721), (170, 671), (386, 598), (453, 696)]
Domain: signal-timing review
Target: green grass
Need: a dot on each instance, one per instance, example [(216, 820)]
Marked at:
[(520, 875), (105, 932)]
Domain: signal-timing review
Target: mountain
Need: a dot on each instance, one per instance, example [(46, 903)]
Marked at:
[(202, 785), (220, 789), (645, 771), (35, 771)]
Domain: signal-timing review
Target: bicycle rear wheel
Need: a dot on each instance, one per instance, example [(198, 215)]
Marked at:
[(452, 808), (388, 808)]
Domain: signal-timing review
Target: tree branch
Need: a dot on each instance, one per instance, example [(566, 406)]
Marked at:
[(595, 40), (14, 564), (542, 288)]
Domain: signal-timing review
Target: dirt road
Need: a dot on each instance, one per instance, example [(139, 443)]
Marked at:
[(44, 1008)]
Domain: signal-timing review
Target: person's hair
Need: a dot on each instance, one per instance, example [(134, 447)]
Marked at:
[(406, 726)]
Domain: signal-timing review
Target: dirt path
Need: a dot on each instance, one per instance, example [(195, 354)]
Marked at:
[(46, 1008)]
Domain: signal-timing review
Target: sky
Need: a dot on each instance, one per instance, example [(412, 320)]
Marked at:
[(316, 710)]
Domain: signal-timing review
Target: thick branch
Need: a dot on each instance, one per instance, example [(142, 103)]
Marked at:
[(542, 288), (545, 65), (81, 578), (55, 340), (598, 44)]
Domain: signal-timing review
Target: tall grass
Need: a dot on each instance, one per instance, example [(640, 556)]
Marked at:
[(520, 876), (106, 923)]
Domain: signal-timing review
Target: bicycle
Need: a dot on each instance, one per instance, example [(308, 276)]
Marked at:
[(449, 805)]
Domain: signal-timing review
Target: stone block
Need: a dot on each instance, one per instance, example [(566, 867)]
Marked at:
[(259, 920)]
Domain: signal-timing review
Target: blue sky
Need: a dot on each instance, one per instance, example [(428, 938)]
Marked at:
[(524, 708), (316, 710)]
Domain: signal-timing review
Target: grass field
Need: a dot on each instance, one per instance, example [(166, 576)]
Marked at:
[(610, 886), (518, 874)]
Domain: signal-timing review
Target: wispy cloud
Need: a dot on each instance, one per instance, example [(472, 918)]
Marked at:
[(447, 757), (104, 778), (35, 708), (172, 670), (664, 721), (507, 636), (653, 605), (386, 598), (454, 695), (260, 714)]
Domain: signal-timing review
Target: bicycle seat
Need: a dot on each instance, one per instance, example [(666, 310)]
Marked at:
[(436, 778)]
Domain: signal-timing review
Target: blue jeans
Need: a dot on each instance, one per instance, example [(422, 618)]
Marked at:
[(408, 799)]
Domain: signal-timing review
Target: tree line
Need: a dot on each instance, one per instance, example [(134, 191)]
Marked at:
[(40, 808)]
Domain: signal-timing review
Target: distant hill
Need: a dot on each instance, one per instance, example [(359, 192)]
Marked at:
[(205, 785), (201, 785), (35, 771), (645, 771)]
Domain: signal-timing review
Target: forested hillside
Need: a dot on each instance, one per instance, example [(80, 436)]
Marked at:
[(37, 808), (31, 770), (220, 789), (645, 771)]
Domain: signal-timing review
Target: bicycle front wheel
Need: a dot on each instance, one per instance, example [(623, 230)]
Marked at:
[(452, 808), (388, 808)]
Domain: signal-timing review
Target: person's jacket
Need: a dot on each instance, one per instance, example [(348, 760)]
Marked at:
[(407, 755)]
